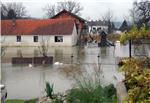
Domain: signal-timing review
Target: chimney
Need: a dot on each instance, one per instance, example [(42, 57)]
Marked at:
[(14, 22)]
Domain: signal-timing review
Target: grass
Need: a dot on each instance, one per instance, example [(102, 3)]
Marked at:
[(15, 101), (21, 101)]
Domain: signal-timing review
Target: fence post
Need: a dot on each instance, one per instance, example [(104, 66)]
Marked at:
[(130, 55)]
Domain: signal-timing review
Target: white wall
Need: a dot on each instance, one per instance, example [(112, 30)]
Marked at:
[(67, 41), (105, 28), (75, 36), (27, 40)]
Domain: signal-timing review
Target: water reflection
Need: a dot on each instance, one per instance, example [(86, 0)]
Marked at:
[(36, 53), (140, 50), (103, 52), (59, 55), (25, 82)]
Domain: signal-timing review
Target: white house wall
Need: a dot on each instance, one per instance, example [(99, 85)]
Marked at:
[(27, 40), (67, 41), (74, 36), (90, 28)]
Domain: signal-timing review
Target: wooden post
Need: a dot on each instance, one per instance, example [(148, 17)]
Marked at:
[(130, 55)]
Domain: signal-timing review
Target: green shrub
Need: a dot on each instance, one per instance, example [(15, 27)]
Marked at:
[(89, 89), (137, 80), (31, 101), (49, 90), (57, 100), (135, 33), (109, 90), (97, 95)]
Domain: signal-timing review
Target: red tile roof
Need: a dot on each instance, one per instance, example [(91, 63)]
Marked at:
[(37, 27), (69, 13)]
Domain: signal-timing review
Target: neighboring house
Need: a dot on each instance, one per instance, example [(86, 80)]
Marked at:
[(94, 27), (66, 14), (56, 32), (124, 26)]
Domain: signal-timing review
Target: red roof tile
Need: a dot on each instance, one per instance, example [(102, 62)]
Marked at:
[(69, 13), (37, 27)]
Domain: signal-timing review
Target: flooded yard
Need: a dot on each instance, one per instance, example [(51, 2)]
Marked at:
[(24, 82)]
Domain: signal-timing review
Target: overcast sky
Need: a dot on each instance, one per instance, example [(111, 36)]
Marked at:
[(93, 9)]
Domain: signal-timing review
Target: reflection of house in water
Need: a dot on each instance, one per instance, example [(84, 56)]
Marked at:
[(103, 52), (36, 52), (64, 54), (58, 55), (140, 50)]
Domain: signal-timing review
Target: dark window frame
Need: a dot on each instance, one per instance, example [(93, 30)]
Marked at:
[(18, 38), (35, 39), (58, 38)]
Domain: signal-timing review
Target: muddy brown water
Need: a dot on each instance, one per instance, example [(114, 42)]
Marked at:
[(26, 82)]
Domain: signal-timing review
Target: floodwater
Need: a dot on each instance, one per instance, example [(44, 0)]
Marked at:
[(24, 82)]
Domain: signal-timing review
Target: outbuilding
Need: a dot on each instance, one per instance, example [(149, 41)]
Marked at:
[(66, 14)]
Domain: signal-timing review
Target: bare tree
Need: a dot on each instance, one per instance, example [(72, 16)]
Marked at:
[(108, 19), (133, 15), (18, 9), (3, 48), (50, 10), (71, 6), (141, 12), (44, 45), (108, 16)]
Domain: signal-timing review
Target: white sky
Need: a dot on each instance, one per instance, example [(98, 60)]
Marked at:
[(93, 9)]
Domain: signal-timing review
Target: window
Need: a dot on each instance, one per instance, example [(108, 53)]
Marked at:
[(18, 38), (35, 38), (58, 38)]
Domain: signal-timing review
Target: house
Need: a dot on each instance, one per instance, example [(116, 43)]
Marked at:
[(94, 27), (66, 14), (56, 32), (124, 26)]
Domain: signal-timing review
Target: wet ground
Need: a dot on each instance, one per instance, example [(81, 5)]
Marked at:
[(26, 82)]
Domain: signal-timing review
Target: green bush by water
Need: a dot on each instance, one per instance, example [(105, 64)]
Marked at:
[(98, 95)]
